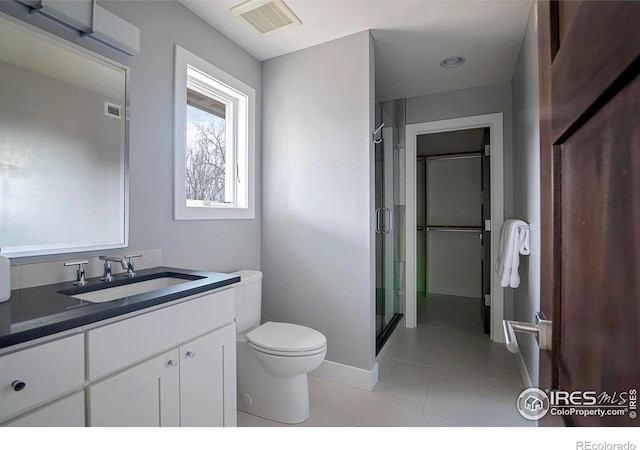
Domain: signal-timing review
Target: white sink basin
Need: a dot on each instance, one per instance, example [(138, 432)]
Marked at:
[(127, 290)]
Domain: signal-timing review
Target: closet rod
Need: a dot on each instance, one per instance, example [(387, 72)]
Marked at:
[(447, 157), (450, 155), (463, 229)]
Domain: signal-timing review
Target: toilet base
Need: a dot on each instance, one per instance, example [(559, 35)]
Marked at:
[(277, 398)]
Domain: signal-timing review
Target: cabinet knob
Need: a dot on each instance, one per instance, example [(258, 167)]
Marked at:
[(18, 385), (173, 362), (191, 354)]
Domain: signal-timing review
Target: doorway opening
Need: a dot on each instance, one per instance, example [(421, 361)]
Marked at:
[(453, 205), (491, 129)]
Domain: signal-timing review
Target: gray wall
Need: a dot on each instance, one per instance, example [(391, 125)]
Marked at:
[(317, 242), (222, 245), (474, 101), (526, 176)]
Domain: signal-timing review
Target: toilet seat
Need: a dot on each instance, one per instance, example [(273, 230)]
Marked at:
[(285, 353), (286, 339)]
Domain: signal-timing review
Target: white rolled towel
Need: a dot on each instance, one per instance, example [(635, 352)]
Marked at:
[(514, 241)]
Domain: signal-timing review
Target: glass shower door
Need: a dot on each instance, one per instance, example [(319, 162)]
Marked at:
[(387, 293)]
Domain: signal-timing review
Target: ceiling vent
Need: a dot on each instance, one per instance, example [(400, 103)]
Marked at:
[(266, 17)]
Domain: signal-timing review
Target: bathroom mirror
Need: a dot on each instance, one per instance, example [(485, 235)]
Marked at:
[(63, 145)]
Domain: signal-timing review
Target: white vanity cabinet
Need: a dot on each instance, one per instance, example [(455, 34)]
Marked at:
[(191, 381), (173, 366)]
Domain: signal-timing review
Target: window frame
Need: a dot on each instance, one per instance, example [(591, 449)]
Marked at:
[(241, 121), (231, 119)]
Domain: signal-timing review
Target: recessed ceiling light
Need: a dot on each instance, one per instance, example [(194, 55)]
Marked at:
[(452, 61)]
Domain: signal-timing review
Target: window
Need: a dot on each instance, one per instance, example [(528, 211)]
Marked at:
[(214, 142)]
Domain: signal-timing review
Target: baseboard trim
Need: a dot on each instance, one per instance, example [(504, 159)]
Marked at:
[(452, 290), (349, 375), (527, 382)]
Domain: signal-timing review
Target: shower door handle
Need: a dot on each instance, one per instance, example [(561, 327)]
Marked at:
[(390, 229), (378, 220)]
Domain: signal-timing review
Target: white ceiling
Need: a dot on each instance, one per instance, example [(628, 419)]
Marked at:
[(411, 37)]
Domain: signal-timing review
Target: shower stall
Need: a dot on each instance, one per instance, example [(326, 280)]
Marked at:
[(389, 217)]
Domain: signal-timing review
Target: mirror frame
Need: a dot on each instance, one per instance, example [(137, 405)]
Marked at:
[(82, 247)]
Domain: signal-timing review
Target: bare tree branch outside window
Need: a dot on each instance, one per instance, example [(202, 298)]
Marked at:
[(205, 164)]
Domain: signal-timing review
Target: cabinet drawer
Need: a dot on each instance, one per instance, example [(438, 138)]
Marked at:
[(68, 412), (48, 370), (120, 344)]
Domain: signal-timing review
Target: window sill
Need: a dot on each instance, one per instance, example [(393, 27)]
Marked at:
[(222, 212)]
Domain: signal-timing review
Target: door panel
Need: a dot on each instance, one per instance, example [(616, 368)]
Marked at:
[(590, 160), (384, 238), (547, 47), (566, 13), (146, 395), (600, 189), (207, 371), (387, 224), (604, 41), (386, 173)]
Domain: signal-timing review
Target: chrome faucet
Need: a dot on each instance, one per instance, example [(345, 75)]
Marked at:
[(80, 279), (130, 273), (107, 266)]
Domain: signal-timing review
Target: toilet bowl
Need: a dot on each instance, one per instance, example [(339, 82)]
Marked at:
[(273, 359)]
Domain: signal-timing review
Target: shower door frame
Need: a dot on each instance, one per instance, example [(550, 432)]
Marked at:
[(495, 123)]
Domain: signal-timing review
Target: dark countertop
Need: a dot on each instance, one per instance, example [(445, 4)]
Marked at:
[(41, 311)]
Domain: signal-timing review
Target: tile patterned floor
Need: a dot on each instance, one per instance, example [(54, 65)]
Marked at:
[(443, 373)]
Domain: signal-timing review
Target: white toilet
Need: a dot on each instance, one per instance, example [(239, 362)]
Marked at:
[(273, 359)]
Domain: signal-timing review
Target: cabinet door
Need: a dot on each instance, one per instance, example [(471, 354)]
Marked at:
[(67, 412), (208, 380), (142, 396)]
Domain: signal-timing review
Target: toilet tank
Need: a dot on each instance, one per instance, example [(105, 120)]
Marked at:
[(248, 299)]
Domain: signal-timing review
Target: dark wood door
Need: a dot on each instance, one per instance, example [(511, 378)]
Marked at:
[(590, 197)]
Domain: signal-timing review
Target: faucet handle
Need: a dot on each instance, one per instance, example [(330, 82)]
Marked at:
[(130, 273), (80, 280)]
